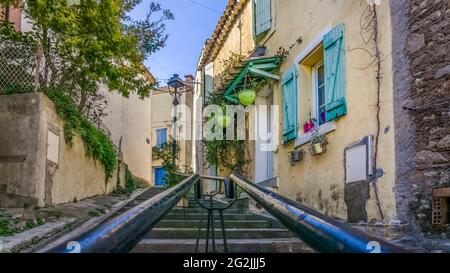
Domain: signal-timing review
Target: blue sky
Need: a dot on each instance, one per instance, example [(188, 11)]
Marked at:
[(194, 22)]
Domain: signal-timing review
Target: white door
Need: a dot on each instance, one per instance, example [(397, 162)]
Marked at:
[(264, 133)]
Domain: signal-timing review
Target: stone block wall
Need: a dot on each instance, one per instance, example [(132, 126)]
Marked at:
[(421, 40)]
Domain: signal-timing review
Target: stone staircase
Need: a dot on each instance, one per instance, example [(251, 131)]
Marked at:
[(245, 232)]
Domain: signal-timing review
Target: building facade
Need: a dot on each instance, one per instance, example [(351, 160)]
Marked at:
[(324, 70), (163, 130), (129, 125)]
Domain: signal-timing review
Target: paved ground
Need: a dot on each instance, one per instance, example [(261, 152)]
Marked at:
[(42, 225)]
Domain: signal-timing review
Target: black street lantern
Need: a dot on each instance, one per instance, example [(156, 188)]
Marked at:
[(177, 84)]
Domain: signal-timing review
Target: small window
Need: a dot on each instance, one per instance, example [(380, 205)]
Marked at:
[(161, 137)]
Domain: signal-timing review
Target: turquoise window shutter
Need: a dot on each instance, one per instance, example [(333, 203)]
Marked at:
[(334, 55), (263, 16), (290, 111)]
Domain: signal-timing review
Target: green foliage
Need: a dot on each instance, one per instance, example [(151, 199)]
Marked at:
[(165, 154), (130, 182), (231, 155), (5, 227), (98, 146), (93, 42), (94, 213)]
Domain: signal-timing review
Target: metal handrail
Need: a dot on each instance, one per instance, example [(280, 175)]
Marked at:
[(320, 232), (123, 232)]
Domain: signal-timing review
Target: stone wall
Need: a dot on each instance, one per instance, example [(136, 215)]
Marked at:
[(421, 37), (37, 167)]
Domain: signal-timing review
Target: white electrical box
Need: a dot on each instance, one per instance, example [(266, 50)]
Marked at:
[(52, 147), (356, 164)]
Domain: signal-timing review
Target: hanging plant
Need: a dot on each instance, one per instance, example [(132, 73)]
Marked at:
[(247, 96), (318, 142)]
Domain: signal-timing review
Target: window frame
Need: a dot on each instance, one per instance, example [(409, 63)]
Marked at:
[(157, 136), (315, 107), (329, 126)]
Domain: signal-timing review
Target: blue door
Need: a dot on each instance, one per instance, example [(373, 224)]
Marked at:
[(160, 174)]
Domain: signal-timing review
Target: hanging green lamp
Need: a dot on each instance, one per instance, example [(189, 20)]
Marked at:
[(224, 121), (247, 97)]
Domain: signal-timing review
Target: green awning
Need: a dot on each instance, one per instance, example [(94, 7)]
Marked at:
[(255, 68)]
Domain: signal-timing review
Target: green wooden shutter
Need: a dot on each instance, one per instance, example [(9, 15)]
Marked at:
[(334, 55), (263, 16), (290, 110)]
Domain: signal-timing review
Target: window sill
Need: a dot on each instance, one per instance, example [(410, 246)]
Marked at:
[(323, 129)]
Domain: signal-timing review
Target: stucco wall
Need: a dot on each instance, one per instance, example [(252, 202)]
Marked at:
[(239, 40), (319, 181), (129, 121), (20, 150), (28, 177)]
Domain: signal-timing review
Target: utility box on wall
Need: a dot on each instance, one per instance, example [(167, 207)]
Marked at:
[(359, 161), (359, 169)]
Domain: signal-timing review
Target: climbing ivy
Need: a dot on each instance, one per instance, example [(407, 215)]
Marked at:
[(98, 146), (165, 154), (231, 155)]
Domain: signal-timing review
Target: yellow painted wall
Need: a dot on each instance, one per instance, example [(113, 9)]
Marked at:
[(319, 182), (239, 40)]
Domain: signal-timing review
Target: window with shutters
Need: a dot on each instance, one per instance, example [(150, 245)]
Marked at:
[(161, 137), (290, 111), (322, 70), (262, 13)]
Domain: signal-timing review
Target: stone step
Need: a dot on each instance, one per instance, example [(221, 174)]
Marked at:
[(227, 216), (268, 245), (199, 210), (228, 224), (231, 233)]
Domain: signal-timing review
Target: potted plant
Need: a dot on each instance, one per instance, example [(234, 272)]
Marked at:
[(247, 96), (318, 142), (295, 156), (308, 126)]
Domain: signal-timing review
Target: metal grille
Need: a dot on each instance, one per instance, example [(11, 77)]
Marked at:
[(18, 66)]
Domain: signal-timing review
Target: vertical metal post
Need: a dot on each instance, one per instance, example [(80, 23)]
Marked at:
[(174, 140), (225, 247), (207, 232), (212, 227), (38, 68), (199, 232)]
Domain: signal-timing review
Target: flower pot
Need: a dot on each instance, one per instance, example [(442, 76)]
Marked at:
[(308, 127), (247, 97), (295, 156), (224, 121), (318, 148)]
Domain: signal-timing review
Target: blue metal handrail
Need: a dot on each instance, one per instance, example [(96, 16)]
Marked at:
[(319, 231), (122, 233)]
